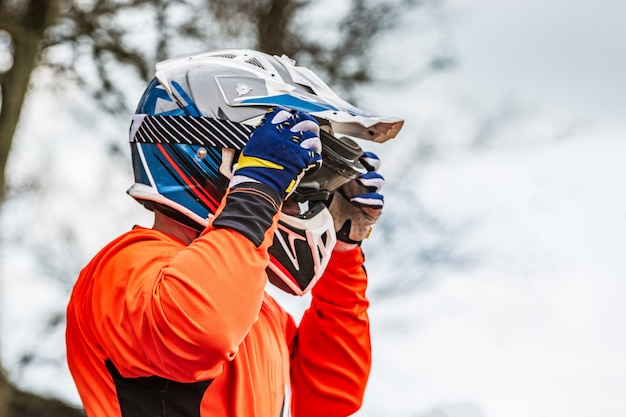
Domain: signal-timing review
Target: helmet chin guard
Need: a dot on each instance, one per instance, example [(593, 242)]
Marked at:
[(301, 250)]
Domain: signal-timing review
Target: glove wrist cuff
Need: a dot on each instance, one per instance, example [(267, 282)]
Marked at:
[(249, 209)]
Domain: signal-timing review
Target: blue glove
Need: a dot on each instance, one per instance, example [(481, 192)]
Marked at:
[(280, 150), (357, 205)]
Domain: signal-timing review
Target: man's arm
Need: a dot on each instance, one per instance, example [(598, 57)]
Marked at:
[(331, 356), (331, 352), (187, 312), (182, 311)]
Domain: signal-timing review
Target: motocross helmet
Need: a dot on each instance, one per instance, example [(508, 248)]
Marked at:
[(197, 114)]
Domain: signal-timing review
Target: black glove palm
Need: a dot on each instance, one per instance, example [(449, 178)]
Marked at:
[(357, 205)]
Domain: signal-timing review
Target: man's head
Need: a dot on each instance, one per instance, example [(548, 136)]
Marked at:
[(196, 116)]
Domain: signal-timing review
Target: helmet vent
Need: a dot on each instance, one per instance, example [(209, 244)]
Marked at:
[(255, 62), (227, 56)]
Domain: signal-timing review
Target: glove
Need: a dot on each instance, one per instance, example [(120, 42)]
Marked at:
[(280, 150), (357, 205)]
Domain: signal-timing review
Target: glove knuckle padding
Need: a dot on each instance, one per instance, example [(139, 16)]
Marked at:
[(370, 161), (277, 117), (373, 181), (280, 150)]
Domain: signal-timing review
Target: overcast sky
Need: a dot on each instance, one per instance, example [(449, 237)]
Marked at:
[(565, 54), (536, 328)]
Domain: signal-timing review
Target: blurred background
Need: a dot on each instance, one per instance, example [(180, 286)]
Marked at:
[(497, 273)]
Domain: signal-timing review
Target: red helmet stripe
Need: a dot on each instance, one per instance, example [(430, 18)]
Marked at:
[(203, 195)]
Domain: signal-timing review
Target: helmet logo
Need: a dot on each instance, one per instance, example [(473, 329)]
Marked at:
[(242, 89)]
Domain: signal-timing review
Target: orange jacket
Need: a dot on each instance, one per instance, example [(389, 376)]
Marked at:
[(158, 328)]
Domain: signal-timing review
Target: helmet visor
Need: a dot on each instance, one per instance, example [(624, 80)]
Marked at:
[(341, 164)]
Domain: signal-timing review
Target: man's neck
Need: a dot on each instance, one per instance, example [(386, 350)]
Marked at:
[(173, 228)]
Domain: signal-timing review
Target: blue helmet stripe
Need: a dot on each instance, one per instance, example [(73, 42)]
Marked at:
[(190, 107), (290, 102)]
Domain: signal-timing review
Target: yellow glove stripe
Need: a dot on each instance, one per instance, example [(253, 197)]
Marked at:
[(290, 187), (252, 162)]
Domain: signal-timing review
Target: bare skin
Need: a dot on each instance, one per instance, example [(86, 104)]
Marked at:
[(173, 228)]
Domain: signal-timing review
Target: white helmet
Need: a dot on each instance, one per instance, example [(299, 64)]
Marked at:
[(198, 113)]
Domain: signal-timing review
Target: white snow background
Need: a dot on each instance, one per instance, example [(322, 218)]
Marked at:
[(498, 274)]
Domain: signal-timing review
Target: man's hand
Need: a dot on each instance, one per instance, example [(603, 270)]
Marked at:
[(357, 205), (280, 150)]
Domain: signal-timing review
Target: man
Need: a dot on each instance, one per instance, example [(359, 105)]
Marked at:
[(174, 320)]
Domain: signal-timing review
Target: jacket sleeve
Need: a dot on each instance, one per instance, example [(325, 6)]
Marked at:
[(331, 349), (186, 311)]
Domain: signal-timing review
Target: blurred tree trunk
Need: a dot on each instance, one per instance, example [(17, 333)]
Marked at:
[(25, 22), (273, 26), (16, 403), (5, 394)]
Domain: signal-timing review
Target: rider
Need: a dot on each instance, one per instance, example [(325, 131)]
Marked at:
[(174, 319)]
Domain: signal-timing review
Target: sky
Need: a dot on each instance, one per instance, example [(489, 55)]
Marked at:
[(560, 54), (532, 127), (504, 225)]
